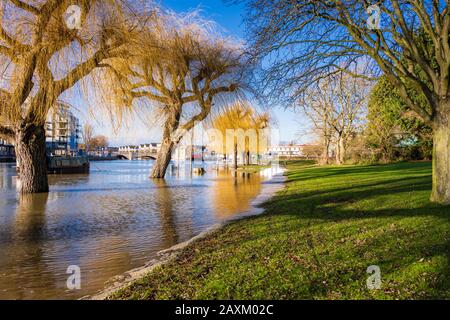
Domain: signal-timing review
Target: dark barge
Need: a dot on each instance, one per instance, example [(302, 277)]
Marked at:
[(67, 164)]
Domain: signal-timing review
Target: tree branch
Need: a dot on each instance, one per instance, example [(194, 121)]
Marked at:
[(25, 6), (80, 71), (140, 94), (6, 132)]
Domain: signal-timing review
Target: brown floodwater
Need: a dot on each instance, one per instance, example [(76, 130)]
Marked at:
[(110, 221)]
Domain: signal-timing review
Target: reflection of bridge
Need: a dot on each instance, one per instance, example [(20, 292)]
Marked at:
[(137, 155)]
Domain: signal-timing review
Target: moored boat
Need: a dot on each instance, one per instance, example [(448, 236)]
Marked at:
[(67, 164)]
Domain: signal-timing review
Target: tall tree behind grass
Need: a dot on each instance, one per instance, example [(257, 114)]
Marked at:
[(303, 41)]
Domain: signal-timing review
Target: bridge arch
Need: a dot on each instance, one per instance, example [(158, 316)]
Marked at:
[(148, 158)]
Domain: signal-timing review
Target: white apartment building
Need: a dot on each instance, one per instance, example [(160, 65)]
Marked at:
[(130, 148), (62, 130), (150, 147), (286, 150)]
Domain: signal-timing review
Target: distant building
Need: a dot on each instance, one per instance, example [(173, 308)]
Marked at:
[(150, 147), (104, 152), (291, 150), (62, 131), (113, 151), (130, 148), (146, 147)]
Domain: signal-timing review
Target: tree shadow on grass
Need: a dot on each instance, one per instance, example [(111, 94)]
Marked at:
[(332, 257), (306, 173), (399, 251), (335, 203), (353, 193)]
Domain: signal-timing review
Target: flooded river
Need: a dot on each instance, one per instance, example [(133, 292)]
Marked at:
[(110, 221)]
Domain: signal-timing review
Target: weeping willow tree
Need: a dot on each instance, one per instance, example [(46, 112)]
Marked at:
[(240, 124), (46, 48), (180, 69)]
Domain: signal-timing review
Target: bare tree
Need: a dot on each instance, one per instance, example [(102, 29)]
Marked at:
[(350, 107), (318, 107), (181, 70), (410, 45), (98, 142), (46, 47), (312, 151), (336, 107), (87, 133)]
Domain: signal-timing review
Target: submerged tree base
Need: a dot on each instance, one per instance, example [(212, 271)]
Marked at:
[(162, 161), (317, 239), (31, 160)]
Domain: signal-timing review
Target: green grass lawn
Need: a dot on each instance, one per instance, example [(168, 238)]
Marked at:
[(317, 239)]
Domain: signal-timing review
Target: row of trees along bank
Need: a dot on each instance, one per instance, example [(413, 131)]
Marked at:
[(363, 122), (126, 53), (305, 41)]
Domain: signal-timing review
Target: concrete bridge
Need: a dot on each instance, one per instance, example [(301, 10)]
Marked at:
[(137, 155)]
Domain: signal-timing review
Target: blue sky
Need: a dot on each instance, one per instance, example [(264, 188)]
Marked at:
[(229, 19)]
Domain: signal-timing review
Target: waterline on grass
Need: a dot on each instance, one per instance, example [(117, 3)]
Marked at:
[(274, 183)]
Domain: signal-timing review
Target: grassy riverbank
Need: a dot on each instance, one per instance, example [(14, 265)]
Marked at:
[(317, 239)]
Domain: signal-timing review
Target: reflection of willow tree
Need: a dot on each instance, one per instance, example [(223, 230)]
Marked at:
[(164, 203), (28, 254), (231, 198), (6, 181), (30, 216)]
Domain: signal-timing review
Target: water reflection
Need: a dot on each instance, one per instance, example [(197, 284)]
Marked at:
[(107, 222), (164, 205), (232, 196), (6, 176), (30, 217), (21, 257)]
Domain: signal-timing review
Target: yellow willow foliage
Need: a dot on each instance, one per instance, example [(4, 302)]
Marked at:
[(47, 47), (239, 123), (179, 66)]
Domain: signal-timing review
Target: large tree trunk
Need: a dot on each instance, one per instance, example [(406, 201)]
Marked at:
[(31, 159), (165, 153), (441, 157), (163, 159), (325, 151), (340, 153)]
